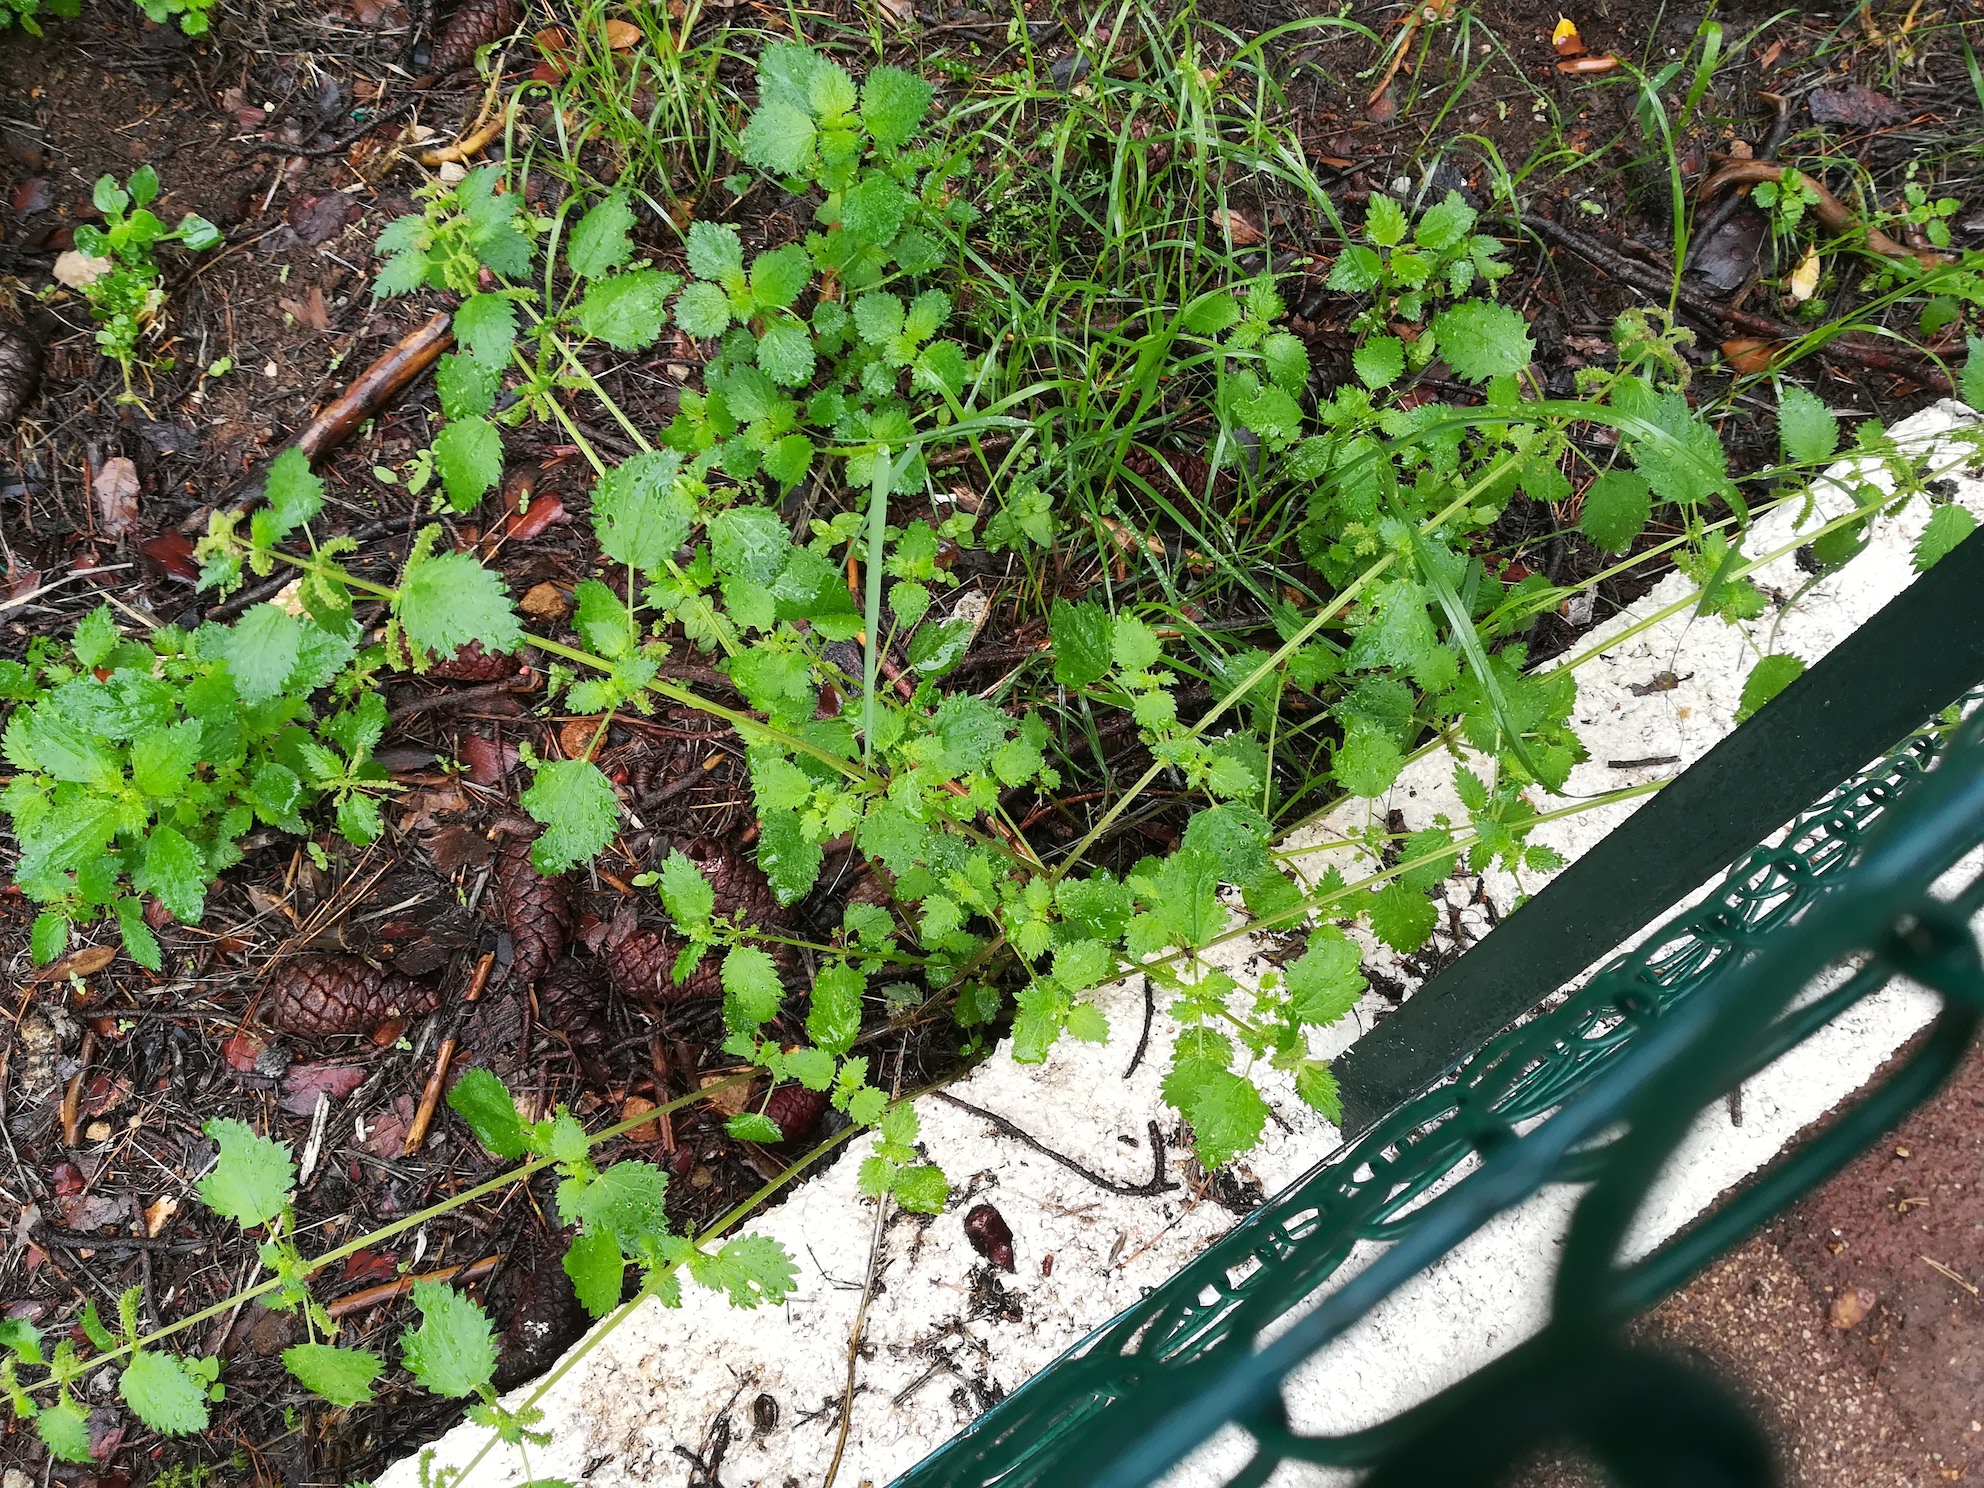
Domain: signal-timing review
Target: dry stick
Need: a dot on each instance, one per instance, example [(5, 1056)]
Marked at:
[(1158, 1182), (1627, 272), (377, 385), (430, 1097), (392, 1291), (461, 697), (72, 1098)]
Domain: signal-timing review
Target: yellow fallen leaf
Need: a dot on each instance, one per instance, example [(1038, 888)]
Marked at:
[(1805, 278), (1565, 38)]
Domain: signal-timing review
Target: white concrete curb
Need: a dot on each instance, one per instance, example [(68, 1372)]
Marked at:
[(941, 1341)]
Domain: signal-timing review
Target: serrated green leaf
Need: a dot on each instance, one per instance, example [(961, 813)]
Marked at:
[(1384, 221), (1401, 917), (1325, 984), (1948, 525), (294, 491), (1445, 225), (1226, 1113), (833, 1020), (1770, 676), (1082, 642), (703, 311), (453, 1353), (1482, 340), (785, 353), (628, 311), (640, 514), (749, 543), (715, 253), (64, 1429), (602, 239), (1286, 360), (163, 760), (790, 862), (261, 649), (750, 1269), (163, 1393), (1367, 761), (1315, 1085), (893, 105), (447, 600), (1970, 381), (751, 989), (1617, 507), (598, 1271), (486, 328), (466, 387), (342, 1376), (1380, 361), (921, 1188), (173, 871), (1356, 271), (252, 1181), (578, 809), (468, 456), (780, 277), (481, 1099), (779, 137), (753, 1126), (1805, 427)]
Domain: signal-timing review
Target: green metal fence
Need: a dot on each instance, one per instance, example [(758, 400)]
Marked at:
[(1596, 1086)]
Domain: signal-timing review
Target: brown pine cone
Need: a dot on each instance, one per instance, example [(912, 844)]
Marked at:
[(641, 963), (317, 996), (20, 371), (537, 910), (796, 1109), (473, 24), (571, 999), (473, 664)]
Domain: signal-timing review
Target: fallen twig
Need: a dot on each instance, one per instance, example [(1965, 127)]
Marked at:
[(1158, 1182), (462, 697), (399, 1286), (430, 1096), (469, 145), (377, 386)]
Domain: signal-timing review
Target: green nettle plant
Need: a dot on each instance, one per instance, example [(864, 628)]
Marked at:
[(140, 764), (864, 365), (125, 299), (191, 14)]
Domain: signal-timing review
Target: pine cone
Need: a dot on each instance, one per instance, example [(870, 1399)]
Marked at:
[(641, 963), (796, 1109), (473, 664), (537, 910), (20, 372), (571, 997), (474, 23), (317, 996)]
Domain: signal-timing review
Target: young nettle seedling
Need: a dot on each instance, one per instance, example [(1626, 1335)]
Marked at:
[(126, 291), (140, 764)]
